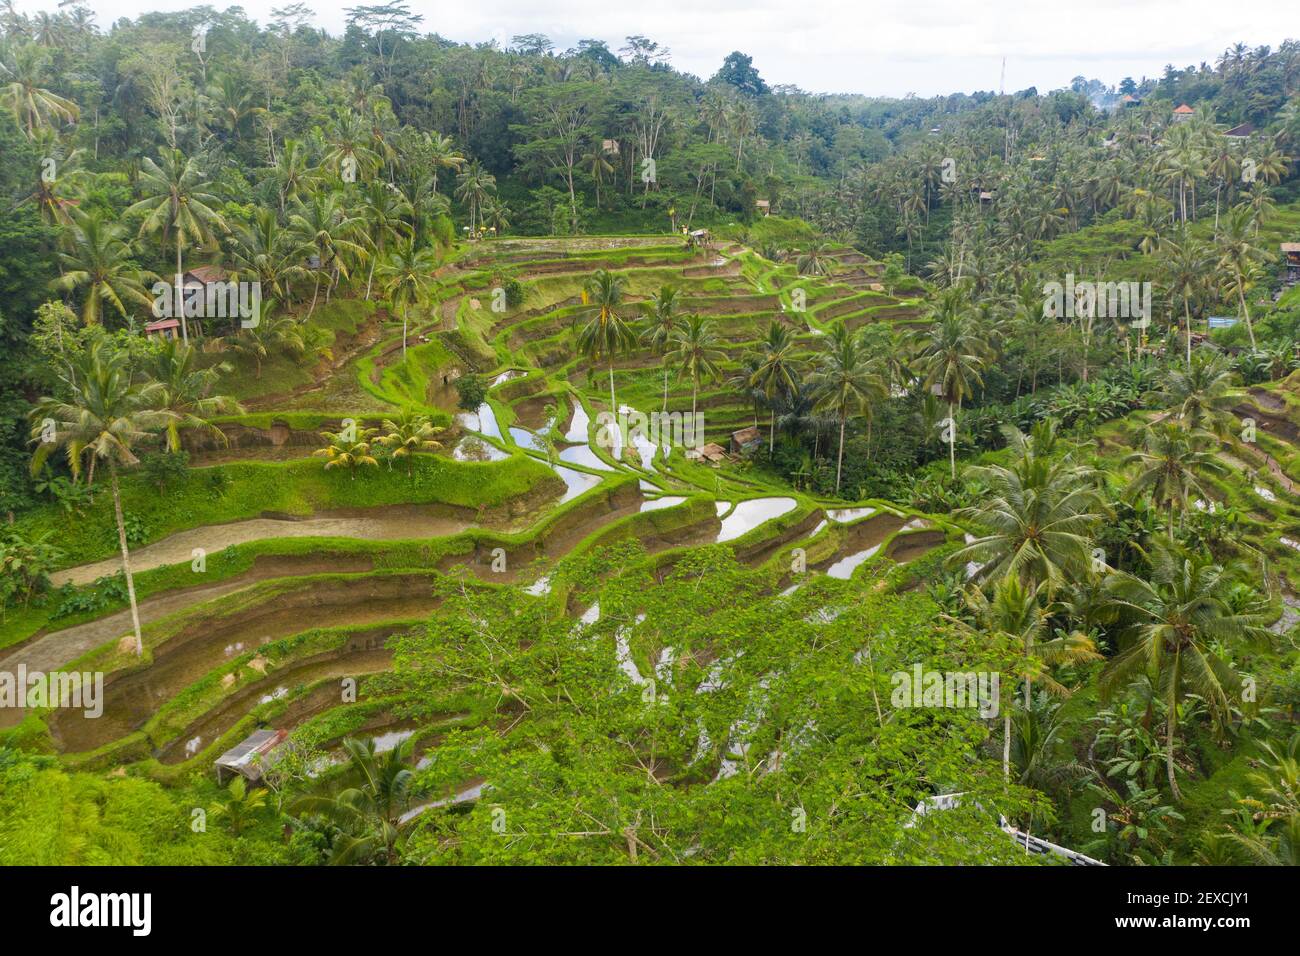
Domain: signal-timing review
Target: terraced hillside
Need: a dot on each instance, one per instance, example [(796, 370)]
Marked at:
[(273, 593)]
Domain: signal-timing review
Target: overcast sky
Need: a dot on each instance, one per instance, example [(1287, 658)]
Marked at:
[(876, 47)]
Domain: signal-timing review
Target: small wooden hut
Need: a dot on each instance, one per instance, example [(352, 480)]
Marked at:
[(250, 757)]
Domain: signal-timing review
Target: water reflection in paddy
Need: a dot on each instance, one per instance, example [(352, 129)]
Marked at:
[(526, 439), (578, 427), (844, 567), (845, 515), (748, 515), (484, 421), (667, 501), (473, 448), (583, 455), (576, 482)]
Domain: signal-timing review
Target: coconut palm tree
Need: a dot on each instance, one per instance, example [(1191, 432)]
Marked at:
[(1169, 461), (776, 371), (325, 226), (743, 379), (951, 355), (1186, 264), (1039, 514), (33, 107), (889, 350), (103, 416), (695, 353), (815, 260), (1181, 162), (442, 154), (427, 207), (1038, 735), (269, 332), (1017, 611), (1223, 166), (406, 275), (232, 105), (99, 265), (598, 166), (350, 450), (376, 790), (178, 206), (496, 215), (1202, 392), (409, 433), (349, 153), (474, 186), (58, 180), (185, 392), (662, 325), (293, 174), (1259, 200), (384, 212), (1176, 623), (605, 334), (265, 251), (743, 121), (846, 381), (1274, 806), (239, 805), (1239, 258)]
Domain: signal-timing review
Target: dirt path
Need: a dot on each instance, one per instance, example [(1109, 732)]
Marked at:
[(385, 524), (48, 650), (51, 651), (447, 310)]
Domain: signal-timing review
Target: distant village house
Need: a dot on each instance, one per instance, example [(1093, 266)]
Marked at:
[(1239, 134)]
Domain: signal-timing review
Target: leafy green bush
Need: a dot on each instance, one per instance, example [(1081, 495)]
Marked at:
[(165, 467), (472, 390)]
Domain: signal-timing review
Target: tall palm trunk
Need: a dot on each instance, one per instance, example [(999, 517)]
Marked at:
[(839, 459), (180, 292), (1245, 310), (1006, 746), (404, 314), (666, 392), (613, 411), (1171, 726), (952, 440), (314, 292), (126, 557)]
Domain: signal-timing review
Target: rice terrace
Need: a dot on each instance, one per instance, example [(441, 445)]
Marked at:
[(427, 451)]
